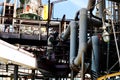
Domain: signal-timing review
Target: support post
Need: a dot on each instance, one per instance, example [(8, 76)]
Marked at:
[(16, 72), (33, 74)]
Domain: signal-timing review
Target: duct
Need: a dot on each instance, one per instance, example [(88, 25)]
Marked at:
[(91, 5), (95, 56), (73, 40), (82, 39)]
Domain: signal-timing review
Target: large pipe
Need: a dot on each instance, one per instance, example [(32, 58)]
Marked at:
[(82, 35), (82, 39), (73, 40), (95, 57)]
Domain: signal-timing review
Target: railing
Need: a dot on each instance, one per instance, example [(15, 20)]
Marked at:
[(26, 26)]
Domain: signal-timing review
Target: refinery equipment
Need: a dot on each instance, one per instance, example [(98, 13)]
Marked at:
[(62, 49)]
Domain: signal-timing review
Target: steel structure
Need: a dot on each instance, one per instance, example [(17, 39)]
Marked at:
[(89, 44)]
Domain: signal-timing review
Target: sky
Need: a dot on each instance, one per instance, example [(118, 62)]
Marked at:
[(69, 7)]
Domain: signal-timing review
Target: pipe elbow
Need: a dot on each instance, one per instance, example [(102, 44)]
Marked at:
[(74, 67)]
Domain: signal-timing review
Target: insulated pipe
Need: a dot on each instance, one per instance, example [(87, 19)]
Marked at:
[(73, 40), (95, 56), (82, 38)]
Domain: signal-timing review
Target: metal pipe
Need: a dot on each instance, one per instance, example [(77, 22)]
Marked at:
[(91, 5), (95, 56), (82, 35), (101, 8), (66, 34), (73, 40)]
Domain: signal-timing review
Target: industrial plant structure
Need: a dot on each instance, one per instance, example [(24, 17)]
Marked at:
[(35, 46)]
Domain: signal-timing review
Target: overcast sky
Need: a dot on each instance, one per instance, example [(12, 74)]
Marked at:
[(69, 7)]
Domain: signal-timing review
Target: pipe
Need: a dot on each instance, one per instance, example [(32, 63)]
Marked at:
[(66, 34), (76, 18), (82, 40), (82, 35), (97, 21), (95, 56), (101, 7), (91, 5), (73, 40)]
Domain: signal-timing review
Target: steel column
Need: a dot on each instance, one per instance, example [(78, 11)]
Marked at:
[(16, 72)]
